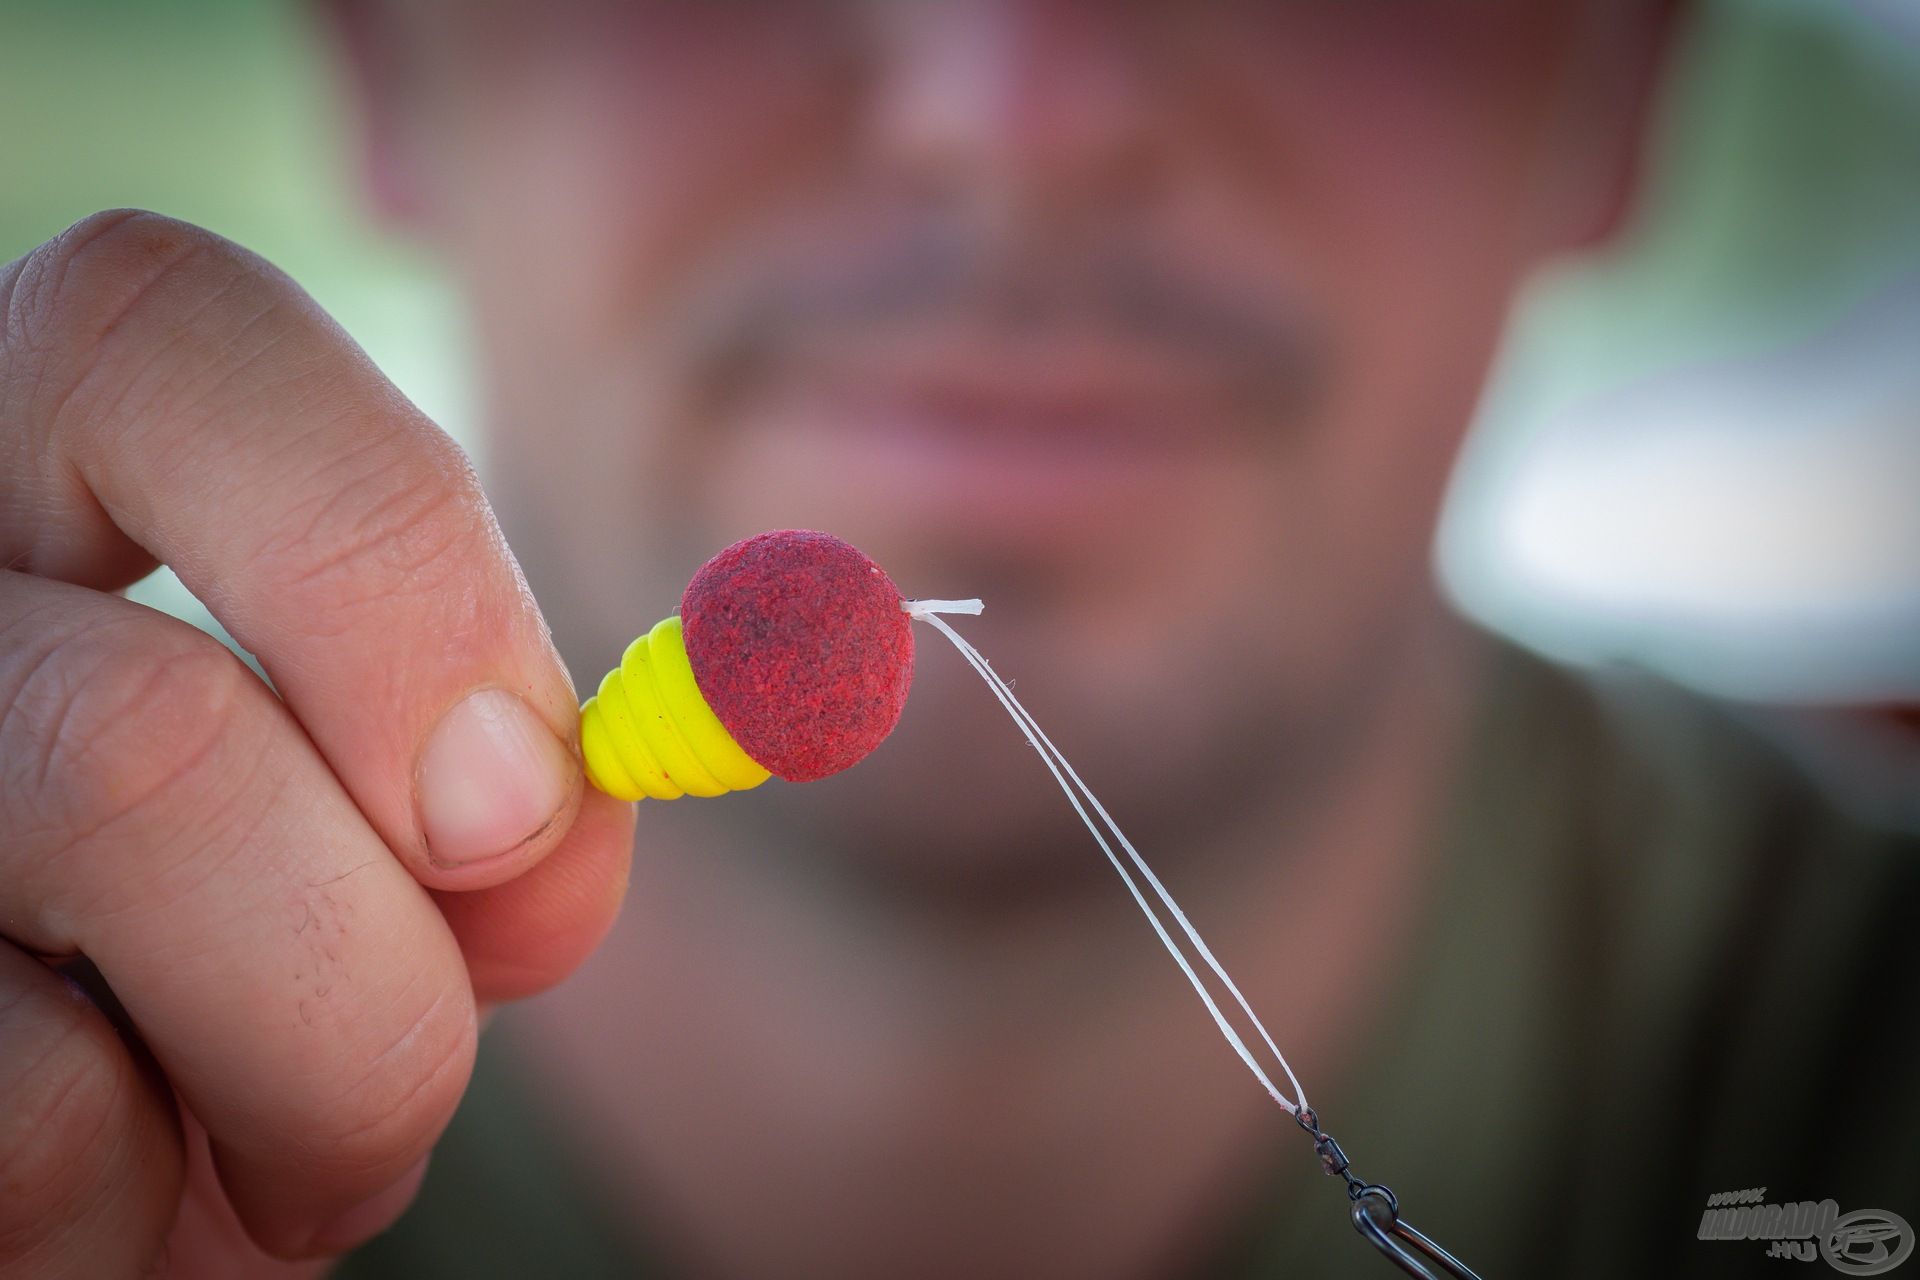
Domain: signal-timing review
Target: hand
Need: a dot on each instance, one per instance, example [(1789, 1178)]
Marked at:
[(296, 899)]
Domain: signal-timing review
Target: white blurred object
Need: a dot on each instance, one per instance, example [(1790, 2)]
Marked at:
[(1751, 527)]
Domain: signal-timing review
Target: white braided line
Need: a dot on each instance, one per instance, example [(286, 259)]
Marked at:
[(1071, 785)]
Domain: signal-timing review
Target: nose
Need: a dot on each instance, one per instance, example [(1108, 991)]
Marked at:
[(1018, 107)]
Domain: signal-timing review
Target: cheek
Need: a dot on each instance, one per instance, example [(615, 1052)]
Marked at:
[(1402, 140), (1394, 163)]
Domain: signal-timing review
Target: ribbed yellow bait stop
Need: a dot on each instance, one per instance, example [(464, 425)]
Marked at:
[(649, 732)]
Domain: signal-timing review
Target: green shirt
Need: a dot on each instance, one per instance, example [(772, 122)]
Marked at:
[(1659, 966)]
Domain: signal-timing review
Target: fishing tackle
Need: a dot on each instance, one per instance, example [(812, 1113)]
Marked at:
[(791, 656)]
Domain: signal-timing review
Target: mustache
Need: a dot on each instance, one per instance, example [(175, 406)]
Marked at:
[(1265, 345)]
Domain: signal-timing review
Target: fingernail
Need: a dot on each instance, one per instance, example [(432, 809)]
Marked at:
[(369, 1218), (492, 775)]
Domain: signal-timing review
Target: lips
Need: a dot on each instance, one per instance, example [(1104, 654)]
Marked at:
[(1023, 442), (1078, 391)]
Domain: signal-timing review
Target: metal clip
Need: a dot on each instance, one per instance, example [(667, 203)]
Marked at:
[(1376, 1214)]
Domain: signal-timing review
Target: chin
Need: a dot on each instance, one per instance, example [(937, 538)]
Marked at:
[(943, 849), (956, 809)]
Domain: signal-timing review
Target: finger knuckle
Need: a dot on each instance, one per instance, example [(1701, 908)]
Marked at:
[(74, 289), (103, 719), (116, 283), (71, 1096), (399, 514), (401, 1098)]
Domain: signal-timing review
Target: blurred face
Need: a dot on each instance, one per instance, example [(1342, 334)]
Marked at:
[(1154, 324)]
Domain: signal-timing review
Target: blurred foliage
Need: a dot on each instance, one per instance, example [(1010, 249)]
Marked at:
[(224, 113)]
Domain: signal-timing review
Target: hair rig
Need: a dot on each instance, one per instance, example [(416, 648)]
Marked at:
[(791, 656)]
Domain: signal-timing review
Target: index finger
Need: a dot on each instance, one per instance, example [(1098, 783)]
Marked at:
[(215, 419)]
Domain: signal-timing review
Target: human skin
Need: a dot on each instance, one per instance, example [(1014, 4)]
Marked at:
[(1156, 325), (251, 875)]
